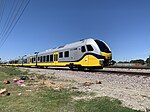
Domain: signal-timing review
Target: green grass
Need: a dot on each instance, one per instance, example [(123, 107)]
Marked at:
[(49, 100), (101, 104), (11, 71), (44, 101)]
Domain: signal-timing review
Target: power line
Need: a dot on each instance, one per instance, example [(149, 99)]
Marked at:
[(2, 10), (11, 22), (1, 7), (10, 30), (10, 16)]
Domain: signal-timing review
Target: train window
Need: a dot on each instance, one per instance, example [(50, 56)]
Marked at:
[(51, 57), (102, 46), (61, 55), (41, 59), (25, 61), (83, 49), (34, 59), (44, 59), (66, 53), (89, 48), (16, 61), (47, 58), (38, 58)]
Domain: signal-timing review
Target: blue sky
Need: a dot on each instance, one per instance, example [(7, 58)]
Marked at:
[(123, 24)]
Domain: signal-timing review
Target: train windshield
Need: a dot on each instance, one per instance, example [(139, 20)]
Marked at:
[(102, 46)]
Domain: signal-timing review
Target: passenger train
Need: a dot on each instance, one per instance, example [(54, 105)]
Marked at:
[(88, 53)]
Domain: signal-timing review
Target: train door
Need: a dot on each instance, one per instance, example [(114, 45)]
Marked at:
[(31, 60), (56, 58)]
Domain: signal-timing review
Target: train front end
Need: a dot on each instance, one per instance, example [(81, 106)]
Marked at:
[(104, 51)]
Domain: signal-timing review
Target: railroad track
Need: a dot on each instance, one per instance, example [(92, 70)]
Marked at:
[(130, 67), (132, 73), (125, 71)]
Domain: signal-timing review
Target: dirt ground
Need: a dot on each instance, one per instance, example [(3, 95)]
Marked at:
[(132, 91)]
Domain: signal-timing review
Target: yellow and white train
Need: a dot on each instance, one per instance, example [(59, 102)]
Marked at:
[(88, 53)]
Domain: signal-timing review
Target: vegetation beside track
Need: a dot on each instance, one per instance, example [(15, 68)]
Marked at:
[(44, 99)]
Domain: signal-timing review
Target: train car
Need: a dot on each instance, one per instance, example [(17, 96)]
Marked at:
[(88, 53)]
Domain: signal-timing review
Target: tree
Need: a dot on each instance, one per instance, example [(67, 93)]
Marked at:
[(140, 61), (120, 62), (123, 62), (148, 61)]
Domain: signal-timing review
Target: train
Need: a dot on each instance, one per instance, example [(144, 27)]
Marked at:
[(84, 54)]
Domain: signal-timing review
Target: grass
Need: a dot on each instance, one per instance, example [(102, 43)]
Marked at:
[(43, 101), (50, 100), (11, 71), (101, 104)]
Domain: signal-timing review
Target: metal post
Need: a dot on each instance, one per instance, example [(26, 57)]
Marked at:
[(36, 53), (22, 59)]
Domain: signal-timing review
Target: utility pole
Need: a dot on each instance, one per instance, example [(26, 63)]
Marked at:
[(22, 59), (36, 53)]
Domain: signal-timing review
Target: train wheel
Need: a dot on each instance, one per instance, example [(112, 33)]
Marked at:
[(81, 68), (71, 66), (87, 69)]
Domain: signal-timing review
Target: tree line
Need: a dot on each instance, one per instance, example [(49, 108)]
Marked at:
[(136, 61)]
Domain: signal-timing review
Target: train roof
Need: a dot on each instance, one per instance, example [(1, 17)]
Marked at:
[(74, 44), (66, 46)]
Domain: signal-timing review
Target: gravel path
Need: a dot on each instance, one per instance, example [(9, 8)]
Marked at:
[(133, 91), (129, 70)]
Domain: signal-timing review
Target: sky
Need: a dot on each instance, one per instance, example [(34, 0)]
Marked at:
[(123, 24)]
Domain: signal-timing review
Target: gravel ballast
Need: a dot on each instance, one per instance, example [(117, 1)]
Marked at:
[(132, 91)]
